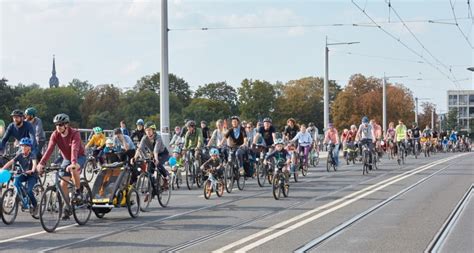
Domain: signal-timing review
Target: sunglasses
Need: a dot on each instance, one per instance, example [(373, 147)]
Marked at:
[(61, 124)]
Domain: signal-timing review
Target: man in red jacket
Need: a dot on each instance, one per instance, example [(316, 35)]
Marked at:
[(72, 151)]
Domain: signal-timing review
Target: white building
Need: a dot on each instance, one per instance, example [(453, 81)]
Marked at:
[(463, 100)]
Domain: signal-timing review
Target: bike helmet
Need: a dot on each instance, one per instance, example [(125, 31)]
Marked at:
[(365, 120), (151, 125), (279, 141), (267, 120), (235, 117), (31, 111), (330, 125), (97, 130), (17, 112), (61, 119), (177, 150), (190, 123), (214, 151), (140, 122), (26, 141), (109, 141)]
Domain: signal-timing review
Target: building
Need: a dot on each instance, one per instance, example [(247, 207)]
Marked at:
[(54, 81), (463, 100)]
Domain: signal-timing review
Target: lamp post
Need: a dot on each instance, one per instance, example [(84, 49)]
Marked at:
[(326, 78)]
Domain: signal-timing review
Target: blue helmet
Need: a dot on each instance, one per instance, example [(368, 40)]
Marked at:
[(26, 141), (140, 122), (214, 151), (365, 120)]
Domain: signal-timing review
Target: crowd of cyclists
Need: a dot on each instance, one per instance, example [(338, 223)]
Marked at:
[(235, 150)]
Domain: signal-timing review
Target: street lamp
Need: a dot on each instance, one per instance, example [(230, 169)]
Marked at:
[(384, 100), (470, 69), (326, 78)]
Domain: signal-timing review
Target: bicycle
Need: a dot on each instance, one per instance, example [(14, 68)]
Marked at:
[(280, 181), (314, 155), (231, 173), (13, 198), (303, 166), (263, 171), (330, 162), (400, 153), (416, 146), (91, 168), (150, 183), (213, 183), (192, 170), (367, 157), (51, 206)]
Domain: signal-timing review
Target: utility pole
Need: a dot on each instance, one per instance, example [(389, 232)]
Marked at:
[(164, 80)]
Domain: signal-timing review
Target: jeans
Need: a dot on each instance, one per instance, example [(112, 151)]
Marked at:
[(81, 160), (31, 181), (306, 150), (335, 154)]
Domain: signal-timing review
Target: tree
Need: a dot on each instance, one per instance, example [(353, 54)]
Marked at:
[(50, 102), (81, 87), (219, 91), (103, 98), (424, 119), (363, 97), (257, 99), (452, 119), (302, 99), (7, 98), (177, 85), (206, 109)]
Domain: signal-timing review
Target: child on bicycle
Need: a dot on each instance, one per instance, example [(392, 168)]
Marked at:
[(214, 162), (280, 154), (97, 143), (27, 169), (110, 151)]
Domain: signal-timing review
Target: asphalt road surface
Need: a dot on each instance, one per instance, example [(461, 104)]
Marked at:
[(426, 204)]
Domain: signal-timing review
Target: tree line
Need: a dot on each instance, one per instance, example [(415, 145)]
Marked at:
[(105, 105)]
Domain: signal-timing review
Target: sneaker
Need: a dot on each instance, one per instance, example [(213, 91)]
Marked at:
[(66, 214), (77, 198), (165, 184), (242, 171)]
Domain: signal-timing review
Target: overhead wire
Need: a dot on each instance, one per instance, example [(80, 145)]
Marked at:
[(457, 25)]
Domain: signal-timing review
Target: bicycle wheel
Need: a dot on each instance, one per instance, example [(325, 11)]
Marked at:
[(276, 187), (220, 188), (269, 174), (229, 178), (189, 176), (51, 208), (89, 170), (304, 170), (285, 187), (38, 191), (261, 174), (199, 176), (10, 204), (296, 172), (240, 180), (328, 163), (207, 189), (144, 189), (133, 202), (164, 192), (83, 209)]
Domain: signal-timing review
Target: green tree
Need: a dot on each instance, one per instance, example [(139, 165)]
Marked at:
[(103, 98), (177, 85), (50, 102), (257, 99), (7, 98), (424, 119), (452, 119), (82, 87), (219, 91), (206, 109)]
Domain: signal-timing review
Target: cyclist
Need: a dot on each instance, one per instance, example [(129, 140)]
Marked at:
[(238, 141), (268, 132), (19, 129), (138, 133), (98, 142), (193, 140), (291, 129), (401, 135), (304, 142), (281, 155), (415, 136), (390, 135), (206, 133), (214, 162), (153, 143), (176, 140), (344, 137), (377, 138), (366, 136), (69, 143), (125, 143), (333, 136), (27, 170), (30, 116)]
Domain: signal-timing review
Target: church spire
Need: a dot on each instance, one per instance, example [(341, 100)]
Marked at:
[(54, 81)]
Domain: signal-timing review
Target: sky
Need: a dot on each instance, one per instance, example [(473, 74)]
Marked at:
[(118, 42)]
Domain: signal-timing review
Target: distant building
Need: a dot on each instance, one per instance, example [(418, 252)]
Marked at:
[(463, 100), (54, 81)]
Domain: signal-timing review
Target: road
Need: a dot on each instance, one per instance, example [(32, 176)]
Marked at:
[(427, 203)]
